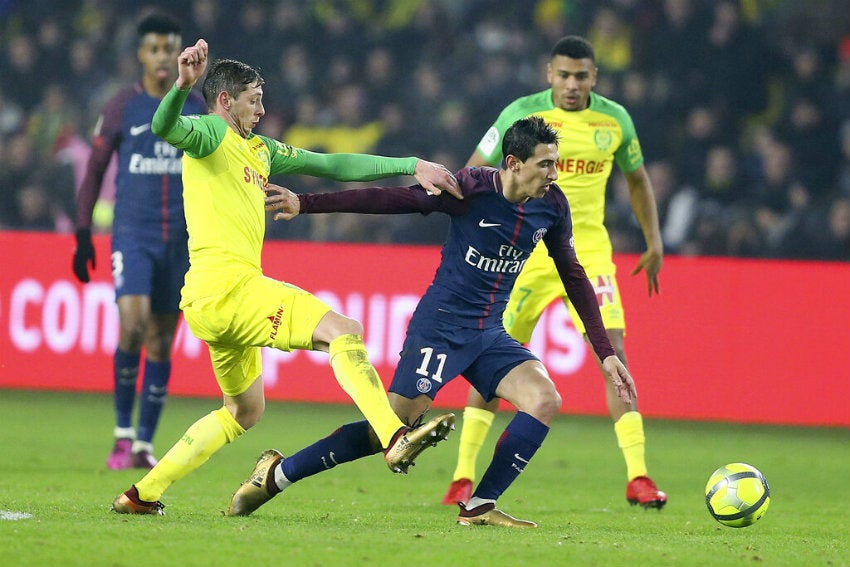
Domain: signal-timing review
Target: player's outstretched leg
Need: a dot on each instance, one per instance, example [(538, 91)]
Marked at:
[(409, 442), (260, 486)]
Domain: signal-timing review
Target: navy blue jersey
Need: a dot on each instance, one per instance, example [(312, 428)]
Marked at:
[(149, 191), (488, 242), (487, 245)]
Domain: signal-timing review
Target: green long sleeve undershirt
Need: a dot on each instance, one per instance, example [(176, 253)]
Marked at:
[(177, 130)]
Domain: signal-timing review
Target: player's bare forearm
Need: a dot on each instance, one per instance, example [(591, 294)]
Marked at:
[(282, 199), (643, 204), (191, 64)]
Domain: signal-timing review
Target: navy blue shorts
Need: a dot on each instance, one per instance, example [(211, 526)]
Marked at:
[(150, 267), (436, 351)]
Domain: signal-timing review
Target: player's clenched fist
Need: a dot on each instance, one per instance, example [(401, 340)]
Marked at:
[(192, 63)]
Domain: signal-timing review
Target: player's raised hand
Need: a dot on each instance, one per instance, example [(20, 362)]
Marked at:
[(436, 178), (191, 64), (615, 371), (282, 199)]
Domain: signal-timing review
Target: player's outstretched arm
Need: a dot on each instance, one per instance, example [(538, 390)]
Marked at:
[(166, 121)]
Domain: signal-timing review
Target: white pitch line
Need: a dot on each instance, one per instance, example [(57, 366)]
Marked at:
[(13, 516)]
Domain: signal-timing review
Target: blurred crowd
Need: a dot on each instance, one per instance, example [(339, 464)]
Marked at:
[(742, 106)]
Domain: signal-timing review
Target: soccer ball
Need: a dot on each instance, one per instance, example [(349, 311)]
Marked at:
[(737, 495)]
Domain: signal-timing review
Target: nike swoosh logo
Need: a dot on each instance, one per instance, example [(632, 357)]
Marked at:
[(136, 130), (517, 457), (484, 224)]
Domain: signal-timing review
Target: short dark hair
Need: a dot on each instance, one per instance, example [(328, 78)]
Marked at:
[(230, 76), (158, 23), (574, 47), (524, 135)]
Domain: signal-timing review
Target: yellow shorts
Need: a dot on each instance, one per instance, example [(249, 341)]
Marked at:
[(538, 285), (257, 312)]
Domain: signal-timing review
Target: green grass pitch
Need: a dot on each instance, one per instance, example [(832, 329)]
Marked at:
[(55, 496)]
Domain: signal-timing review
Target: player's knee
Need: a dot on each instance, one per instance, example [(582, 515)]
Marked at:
[(248, 415), (132, 336), (544, 404), (158, 348), (247, 421), (342, 325), (550, 404)]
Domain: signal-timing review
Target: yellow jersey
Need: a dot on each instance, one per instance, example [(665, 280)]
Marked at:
[(224, 177), (590, 142)]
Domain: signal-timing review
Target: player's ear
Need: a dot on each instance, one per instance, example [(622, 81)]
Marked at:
[(224, 100)]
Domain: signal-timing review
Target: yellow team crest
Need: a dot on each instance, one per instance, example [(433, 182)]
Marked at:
[(603, 139)]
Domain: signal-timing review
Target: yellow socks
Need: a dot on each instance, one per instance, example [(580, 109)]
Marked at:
[(359, 379), (630, 438), (201, 440), (476, 424)]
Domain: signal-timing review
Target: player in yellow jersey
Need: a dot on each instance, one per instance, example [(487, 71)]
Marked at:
[(595, 132), (226, 299)]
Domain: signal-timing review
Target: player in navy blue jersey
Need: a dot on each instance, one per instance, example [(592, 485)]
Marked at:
[(149, 239), (457, 328)]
